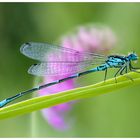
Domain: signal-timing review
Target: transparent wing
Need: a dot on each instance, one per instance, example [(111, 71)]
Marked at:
[(45, 52), (55, 68)]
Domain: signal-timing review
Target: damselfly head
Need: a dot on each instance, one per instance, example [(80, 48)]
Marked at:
[(133, 56)]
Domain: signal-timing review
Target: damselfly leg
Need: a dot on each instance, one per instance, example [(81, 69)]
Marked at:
[(133, 68), (125, 68), (105, 75), (117, 74)]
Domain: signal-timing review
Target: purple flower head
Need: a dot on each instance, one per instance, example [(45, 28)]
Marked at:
[(91, 38), (85, 39)]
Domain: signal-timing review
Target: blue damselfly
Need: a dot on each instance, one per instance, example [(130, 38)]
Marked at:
[(75, 63)]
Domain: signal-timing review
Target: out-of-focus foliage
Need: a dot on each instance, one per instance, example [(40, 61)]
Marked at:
[(113, 115)]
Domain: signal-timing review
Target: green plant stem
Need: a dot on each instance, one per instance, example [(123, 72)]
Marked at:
[(38, 103)]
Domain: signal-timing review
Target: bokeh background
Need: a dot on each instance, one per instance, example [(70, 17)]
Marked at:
[(113, 115)]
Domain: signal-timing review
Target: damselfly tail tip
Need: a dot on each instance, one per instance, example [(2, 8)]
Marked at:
[(3, 103)]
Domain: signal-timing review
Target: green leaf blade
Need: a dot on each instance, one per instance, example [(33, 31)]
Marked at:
[(38, 103)]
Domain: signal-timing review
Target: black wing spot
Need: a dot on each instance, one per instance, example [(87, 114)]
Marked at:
[(35, 64), (28, 43)]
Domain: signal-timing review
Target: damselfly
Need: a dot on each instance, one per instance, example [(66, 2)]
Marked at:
[(75, 62)]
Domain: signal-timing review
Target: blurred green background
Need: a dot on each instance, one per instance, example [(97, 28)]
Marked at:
[(113, 115)]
